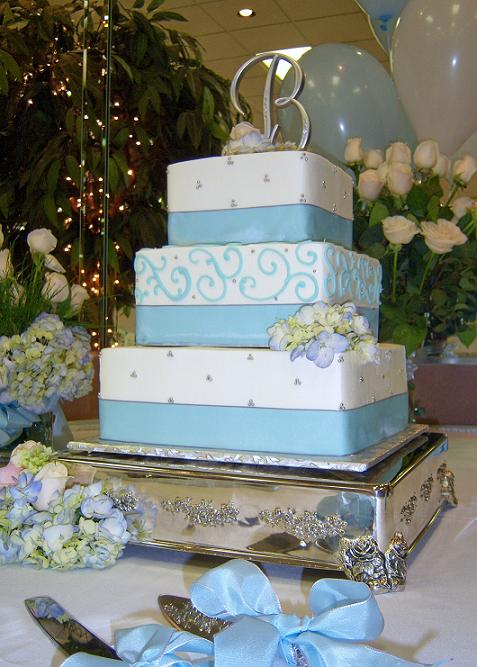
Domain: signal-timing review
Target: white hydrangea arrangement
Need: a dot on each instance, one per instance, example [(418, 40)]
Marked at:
[(409, 215), (319, 331), (55, 517), (245, 138), (42, 357)]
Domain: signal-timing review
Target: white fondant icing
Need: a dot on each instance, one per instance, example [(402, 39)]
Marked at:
[(264, 379), (260, 179), (256, 274)]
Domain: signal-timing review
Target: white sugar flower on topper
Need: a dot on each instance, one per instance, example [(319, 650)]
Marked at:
[(252, 140)]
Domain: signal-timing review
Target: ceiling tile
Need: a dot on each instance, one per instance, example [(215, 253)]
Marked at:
[(269, 37), (297, 10), (174, 4), (221, 45), (254, 87), (227, 67), (345, 28), (267, 12), (198, 22)]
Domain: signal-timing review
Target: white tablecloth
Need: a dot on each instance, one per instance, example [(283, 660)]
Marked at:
[(434, 618)]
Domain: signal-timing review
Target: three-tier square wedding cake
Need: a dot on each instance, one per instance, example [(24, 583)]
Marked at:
[(255, 238)]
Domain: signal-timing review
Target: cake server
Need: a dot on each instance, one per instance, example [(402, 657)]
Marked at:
[(182, 615), (67, 633)]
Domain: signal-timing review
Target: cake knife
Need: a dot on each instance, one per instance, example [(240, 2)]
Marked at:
[(67, 633)]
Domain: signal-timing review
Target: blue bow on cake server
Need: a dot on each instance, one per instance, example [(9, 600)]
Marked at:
[(344, 614)]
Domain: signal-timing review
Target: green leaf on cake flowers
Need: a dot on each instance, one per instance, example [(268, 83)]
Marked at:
[(319, 331)]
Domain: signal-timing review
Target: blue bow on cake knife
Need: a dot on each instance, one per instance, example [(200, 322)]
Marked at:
[(345, 613), (151, 646)]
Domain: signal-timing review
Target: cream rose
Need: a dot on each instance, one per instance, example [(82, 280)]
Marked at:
[(426, 154), (369, 185), (398, 152), (373, 158), (241, 129), (6, 268), (53, 478), (442, 166), (52, 264), (399, 178), (461, 205), (353, 152), (382, 171), (78, 297), (442, 236), (56, 287), (464, 169), (399, 230), (42, 241)]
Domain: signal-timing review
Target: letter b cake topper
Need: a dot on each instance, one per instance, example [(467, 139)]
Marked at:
[(270, 131)]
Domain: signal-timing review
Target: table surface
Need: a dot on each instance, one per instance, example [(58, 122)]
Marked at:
[(434, 618)]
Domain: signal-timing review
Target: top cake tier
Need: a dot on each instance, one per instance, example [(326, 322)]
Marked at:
[(283, 196)]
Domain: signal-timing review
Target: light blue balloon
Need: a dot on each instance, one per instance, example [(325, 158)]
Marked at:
[(382, 9), (347, 93), (383, 31)]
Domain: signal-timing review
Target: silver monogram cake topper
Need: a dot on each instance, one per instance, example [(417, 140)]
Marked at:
[(270, 131)]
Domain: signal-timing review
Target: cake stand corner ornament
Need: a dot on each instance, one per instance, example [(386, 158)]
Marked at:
[(362, 560), (447, 480), (270, 131)]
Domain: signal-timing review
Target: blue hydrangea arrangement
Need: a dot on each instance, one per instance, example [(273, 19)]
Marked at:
[(319, 331), (45, 363), (54, 517)]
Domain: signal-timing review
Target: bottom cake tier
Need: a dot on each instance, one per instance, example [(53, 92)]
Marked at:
[(251, 399)]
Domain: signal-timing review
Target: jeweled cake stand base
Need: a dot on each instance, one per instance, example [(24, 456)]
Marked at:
[(363, 522)]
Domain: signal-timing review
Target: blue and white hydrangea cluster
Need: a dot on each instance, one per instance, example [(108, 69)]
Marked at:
[(319, 331), (49, 520), (44, 364)]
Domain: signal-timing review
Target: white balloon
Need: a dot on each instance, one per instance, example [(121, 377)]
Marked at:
[(433, 60), (469, 147)]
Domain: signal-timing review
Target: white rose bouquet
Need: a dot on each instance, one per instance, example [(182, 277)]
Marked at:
[(409, 214), (44, 357)]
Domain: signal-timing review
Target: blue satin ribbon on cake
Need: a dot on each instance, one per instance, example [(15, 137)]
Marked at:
[(13, 419), (345, 614)]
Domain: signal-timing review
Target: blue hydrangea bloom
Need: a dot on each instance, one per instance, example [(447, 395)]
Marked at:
[(321, 350)]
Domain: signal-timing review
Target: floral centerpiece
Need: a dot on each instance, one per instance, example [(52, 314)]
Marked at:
[(407, 214), (53, 515), (44, 357), (320, 330)]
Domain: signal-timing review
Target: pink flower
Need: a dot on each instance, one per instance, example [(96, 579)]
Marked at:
[(9, 474)]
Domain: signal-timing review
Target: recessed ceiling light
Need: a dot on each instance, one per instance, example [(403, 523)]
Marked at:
[(246, 12)]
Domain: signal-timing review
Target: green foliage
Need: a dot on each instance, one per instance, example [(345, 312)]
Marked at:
[(425, 306), (166, 106)]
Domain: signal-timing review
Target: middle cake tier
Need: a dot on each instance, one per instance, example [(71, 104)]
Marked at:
[(230, 294)]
